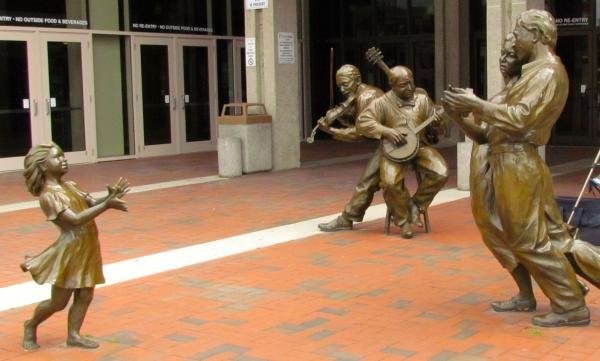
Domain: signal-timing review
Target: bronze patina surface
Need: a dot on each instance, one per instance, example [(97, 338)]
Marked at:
[(73, 263), (387, 118), (513, 200), (358, 97)]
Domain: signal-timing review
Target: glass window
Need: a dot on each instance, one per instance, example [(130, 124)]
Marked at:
[(325, 18), (422, 16), (424, 65), (66, 95), (237, 18), (228, 17), (392, 17), (169, 16), (358, 18), (571, 13), (15, 127), (478, 14), (574, 53), (45, 13)]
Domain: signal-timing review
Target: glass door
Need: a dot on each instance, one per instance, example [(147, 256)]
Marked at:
[(175, 91), (155, 102), (196, 94), (67, 99), (19, 105), (574, 127), (44, 83)]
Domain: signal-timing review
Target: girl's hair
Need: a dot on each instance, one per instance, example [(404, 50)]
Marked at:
[(34, 173)]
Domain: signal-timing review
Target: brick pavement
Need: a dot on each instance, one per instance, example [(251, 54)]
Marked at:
[(357, 295)]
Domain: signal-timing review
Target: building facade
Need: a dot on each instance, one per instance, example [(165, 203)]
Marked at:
[(114, 79)]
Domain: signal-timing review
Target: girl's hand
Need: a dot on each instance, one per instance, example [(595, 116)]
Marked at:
[(116, 203), (119, 189)]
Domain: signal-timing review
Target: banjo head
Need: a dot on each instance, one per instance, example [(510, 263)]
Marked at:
[(402, 152)]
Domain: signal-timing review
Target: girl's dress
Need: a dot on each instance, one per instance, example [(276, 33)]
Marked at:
[(74, 260)]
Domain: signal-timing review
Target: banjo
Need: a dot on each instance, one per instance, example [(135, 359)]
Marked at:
[(406, 150)]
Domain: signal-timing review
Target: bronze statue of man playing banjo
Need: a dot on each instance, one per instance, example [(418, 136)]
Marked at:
[(396, 118)]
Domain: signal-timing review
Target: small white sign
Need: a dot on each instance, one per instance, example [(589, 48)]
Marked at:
[(257, 4), (167, 99), (25, 103), (286, 48), (186, 98), (53, 102), (250, 51)]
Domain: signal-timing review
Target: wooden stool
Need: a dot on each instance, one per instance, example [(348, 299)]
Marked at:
[(425, 213)]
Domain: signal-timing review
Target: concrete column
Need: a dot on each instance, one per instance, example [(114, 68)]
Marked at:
[(276, 85)]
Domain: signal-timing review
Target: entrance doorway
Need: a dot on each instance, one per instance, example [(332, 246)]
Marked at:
[(46, 95), (175, 95), (578, 123), (578, 47)]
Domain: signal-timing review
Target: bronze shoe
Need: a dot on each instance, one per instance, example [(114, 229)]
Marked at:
[(577, 317), (338, 224), (515, 304), (406, 231), (415, 214)]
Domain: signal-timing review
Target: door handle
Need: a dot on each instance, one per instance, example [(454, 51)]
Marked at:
[(35, 108), (47, 106)]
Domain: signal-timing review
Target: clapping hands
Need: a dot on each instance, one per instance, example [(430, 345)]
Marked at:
[(116, 192)]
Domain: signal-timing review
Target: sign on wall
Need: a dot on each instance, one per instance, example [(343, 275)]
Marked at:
[(285, 43), (250, 51), (41, 21), (573, 21), (257, 4)]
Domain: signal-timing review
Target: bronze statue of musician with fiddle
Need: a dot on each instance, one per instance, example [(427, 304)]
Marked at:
[(358, 96), (407, 123)]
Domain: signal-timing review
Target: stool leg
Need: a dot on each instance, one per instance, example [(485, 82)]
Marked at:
[(426, 219), (388, 218)]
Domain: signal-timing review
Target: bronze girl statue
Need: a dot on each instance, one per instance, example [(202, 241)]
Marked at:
[(72, 264)]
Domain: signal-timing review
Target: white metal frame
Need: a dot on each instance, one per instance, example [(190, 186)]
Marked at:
[(37, 63), (176, 95), (184, 146)]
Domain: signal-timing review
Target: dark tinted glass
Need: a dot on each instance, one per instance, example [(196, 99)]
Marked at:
[(571, 13), (44, 13), (574, 120), (170, 16), (197, 97), (325, 17), (66, 95), (237, 18), (422, 17), (15, 124), (392, 17), (155, 94), (358, 18)]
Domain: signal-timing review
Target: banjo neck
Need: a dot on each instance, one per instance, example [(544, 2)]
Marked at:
[(421, 126)]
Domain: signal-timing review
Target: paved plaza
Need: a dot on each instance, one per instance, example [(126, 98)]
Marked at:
[(206, 268)]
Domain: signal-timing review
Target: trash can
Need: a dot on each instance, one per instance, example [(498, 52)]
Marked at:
[(252, 125), (229, 154)]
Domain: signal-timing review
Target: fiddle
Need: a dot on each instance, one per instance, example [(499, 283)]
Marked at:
[(332, 115)]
